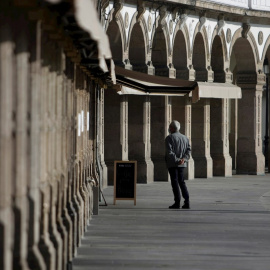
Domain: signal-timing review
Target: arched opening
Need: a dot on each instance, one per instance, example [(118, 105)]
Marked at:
[(137, 49), (198, 58), (217, 60), (159, 53), (247, 119), (115, 39), (180, 56)]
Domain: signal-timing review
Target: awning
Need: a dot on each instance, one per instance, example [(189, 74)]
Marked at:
[(137, 83), (87, 23), (215, 90)]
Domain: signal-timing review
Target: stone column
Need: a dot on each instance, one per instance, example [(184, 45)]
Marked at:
[(222, 161), (139, 137), (55, 237), (21, 97), (101, 132), (72, 134), (124, 126), (220, 119), (6, 124), (35, 259), (60, 163), (181, 111), (233, 133), (147, 139), (112, 146), (250, 159), (45, 245), (161, 118), (201, 139)]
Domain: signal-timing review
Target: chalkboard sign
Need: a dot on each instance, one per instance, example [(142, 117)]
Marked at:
[(125, 178)]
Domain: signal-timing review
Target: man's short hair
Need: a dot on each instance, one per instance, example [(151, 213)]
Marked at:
[(175, 124)]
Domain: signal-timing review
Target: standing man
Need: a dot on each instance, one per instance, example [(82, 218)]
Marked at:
[(177, 155)]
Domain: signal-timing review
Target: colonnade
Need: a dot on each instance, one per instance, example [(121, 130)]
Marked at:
[(47, 145), (219, 145), (208, 124)]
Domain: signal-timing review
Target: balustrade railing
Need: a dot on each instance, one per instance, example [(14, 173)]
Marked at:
[(263, 5)]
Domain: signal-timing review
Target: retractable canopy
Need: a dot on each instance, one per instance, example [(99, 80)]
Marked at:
[(80, 21), (215, 90), (137, 83)]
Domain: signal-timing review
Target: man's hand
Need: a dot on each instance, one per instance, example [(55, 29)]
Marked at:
[(182, 161)]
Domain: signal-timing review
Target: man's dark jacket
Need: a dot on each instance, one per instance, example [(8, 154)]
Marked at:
[(177, 147)]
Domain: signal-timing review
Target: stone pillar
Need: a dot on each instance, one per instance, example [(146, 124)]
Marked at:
[(124, 126), (147, 139), (250, 159), (35, 259), (222, 161), (233, 134), (188, 123), (112, 145), (139, 137), (6, 140), (101, 132), (220, 119), (161, 118), (201, 139), (181, 111), (21, 97), (52, 172), (45, 245)]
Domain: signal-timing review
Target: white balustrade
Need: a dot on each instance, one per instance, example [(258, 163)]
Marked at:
[(236, 3), (263, 5)]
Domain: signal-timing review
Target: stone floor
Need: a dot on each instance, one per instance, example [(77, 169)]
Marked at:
[(227, 228)]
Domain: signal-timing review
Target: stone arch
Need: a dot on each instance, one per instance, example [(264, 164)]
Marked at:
[(180, 55), (240, 59), (137, 45), (250, 38), (217, 59), (185, 32), (199, 60), (205, 40), (143, 25), (117, 38), (223, 42), (157, 26), (160, 52)]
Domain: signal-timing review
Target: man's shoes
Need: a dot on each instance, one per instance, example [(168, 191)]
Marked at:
[(186, 206), (174, 206)]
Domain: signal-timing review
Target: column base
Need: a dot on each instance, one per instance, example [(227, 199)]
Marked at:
[(189, 172), (104, 174), (250, 163), (203, 167), (222, 165), (35, 259), (110, 173), (6, 236), (145, 171)]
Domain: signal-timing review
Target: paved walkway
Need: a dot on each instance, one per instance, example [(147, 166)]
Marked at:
[(227, 228)]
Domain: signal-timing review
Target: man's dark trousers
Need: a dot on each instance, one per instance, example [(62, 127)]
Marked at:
[(177, 179)]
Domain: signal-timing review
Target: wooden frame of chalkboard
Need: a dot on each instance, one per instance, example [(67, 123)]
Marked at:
[(125, 179)]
